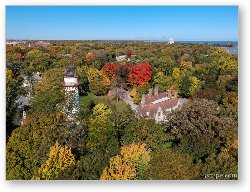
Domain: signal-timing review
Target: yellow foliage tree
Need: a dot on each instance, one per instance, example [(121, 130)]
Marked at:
[(176, 74), (186, 64), (60, 158), (163, 81), (130, 164), (81, 69), (194, 85), (136, 96), (98, 127), (106, 81), (119, 170), (98, 82), (101, 111), (8, 74)]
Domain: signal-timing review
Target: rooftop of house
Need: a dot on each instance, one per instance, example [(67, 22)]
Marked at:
[(150, 109), (151, 103)]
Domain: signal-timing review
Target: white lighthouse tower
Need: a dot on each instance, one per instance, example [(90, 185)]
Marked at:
[(71, 90)]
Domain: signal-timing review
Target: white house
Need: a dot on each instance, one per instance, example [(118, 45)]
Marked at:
[(155, 106)]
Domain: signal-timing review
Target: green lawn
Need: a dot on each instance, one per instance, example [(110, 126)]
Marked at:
[(102, 99)]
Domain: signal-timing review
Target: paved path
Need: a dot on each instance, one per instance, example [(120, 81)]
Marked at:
[(125, 96)]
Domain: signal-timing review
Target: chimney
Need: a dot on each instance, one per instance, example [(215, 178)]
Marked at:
[(175, 93), (150, 92), (143, 100), (169, 94), (156, 90)]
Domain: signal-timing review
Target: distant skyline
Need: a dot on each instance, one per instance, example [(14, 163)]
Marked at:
[(183, 23)]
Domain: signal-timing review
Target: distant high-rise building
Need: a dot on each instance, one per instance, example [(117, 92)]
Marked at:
[(71, 90), (171, 40)]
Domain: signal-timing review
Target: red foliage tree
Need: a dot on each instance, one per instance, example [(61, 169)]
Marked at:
[(139, 74), (129, 54), (110, 69)]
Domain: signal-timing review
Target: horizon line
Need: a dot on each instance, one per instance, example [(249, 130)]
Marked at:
[(113, 40)]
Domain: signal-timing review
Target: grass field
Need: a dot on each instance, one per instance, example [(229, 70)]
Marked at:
[(101, 99)]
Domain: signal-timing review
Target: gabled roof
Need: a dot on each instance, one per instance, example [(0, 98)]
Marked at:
[(150, 98), (150, 109)]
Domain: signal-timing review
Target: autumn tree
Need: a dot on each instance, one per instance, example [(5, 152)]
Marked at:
[(28, 146), (122, 76), (130, 164), (185, 64), (38, 61), (110, 69), (195, 85), (98, 82), (14, 55), (59, 159), (135, 95), (177, 77), (139, 74), (89, 56), (163, 81)]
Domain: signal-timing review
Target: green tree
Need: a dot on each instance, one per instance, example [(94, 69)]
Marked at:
[(225, 162), (199, 129), (121, 119), (13, 91), (83, 79), (101, 132), (49, 93), (28, 146), (184, 89), (168, 164), (145, 131)]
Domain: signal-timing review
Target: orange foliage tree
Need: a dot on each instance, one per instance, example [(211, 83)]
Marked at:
[(89, 56), (130, 164), (110, 69)]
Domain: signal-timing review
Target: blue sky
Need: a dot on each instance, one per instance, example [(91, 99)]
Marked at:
[(122, 23)]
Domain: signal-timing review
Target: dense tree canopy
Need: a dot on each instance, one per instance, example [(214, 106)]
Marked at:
[(105, 140), (198, 128), (168, 164)]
